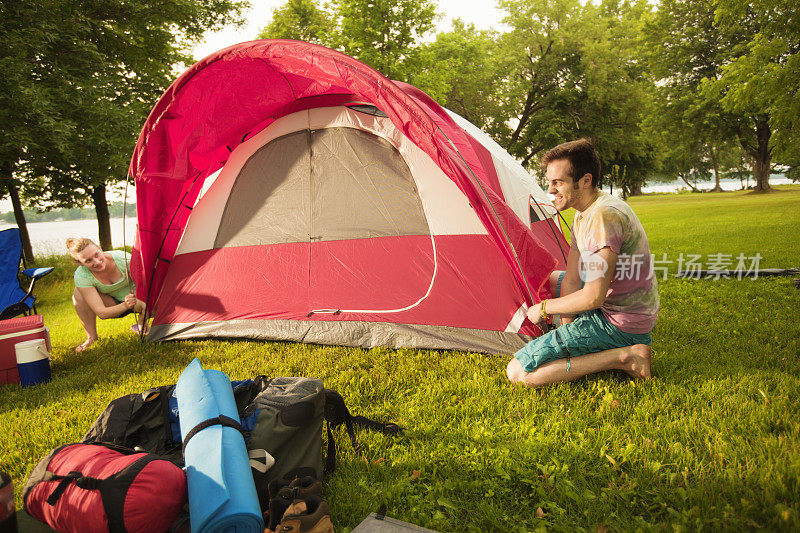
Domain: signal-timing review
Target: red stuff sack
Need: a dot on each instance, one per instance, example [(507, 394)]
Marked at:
[(94, 488)]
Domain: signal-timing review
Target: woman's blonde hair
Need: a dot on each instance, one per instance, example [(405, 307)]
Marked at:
[(77, 245)]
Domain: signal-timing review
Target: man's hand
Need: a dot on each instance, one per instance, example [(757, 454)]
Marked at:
[(534, 314)]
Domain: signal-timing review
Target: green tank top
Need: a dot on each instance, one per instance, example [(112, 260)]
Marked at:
[(118, 290)]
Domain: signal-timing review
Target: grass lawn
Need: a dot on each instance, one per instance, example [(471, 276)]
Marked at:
[(711, 443)]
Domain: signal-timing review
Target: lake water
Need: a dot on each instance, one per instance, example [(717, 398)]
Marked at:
[(727, 185), (48, 238)]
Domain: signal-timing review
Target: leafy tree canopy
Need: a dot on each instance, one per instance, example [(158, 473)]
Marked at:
[(570, 70), (82, 77), (764, 74), (719, 60), (384, 34), (302, 20)]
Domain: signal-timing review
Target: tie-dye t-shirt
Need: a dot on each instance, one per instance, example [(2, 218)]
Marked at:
[(632, 300)]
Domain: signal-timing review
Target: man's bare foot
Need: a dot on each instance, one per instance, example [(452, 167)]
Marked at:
[(88, 342), (636, 361)]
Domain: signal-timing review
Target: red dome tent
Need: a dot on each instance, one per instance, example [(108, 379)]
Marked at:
[(286, 191)]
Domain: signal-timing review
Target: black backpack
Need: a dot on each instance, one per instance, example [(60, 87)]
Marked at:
[(282, 415)]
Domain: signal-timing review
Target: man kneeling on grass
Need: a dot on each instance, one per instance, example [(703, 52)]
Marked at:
[(608, 297)]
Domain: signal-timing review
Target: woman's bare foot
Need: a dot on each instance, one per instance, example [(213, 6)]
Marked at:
[(636, 361), (88, 342)]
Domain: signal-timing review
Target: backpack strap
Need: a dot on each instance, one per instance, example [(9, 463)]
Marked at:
[(330, 455), (244, 395), (164, 396), (220, 420), (336, 413), (387, 428), (88, 483)]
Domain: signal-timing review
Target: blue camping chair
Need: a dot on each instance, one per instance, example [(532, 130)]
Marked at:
[(13, 300)]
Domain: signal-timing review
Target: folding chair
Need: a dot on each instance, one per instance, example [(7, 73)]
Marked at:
[(13, 300)]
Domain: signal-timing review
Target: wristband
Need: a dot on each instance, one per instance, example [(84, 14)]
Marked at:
[(544, 313)]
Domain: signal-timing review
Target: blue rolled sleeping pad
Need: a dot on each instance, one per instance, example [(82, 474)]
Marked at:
[(222, 494)]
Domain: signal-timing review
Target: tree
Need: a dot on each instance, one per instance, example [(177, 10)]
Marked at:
[(763, 78), (302, 20), (717, 53), (692, 135), (619, 91), (569, 71), (679, 155), (88, 73), (539, 79), (29, 92), (98, 155), (458, 70), (384, 34)]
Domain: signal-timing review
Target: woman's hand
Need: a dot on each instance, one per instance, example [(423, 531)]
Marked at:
[(130, 301)]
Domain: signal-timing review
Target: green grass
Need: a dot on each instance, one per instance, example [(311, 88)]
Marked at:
[(711, 443), (729, 223)]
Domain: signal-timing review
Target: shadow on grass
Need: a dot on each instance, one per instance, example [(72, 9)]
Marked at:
[(109, 364)]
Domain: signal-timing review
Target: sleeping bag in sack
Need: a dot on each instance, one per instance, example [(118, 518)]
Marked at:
[(96, 488)]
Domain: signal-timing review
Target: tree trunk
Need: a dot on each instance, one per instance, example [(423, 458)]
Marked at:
[(636, 189), (762, 155), (761, 174), (687, 182), (103, 218), (717, 186), (19, 216)]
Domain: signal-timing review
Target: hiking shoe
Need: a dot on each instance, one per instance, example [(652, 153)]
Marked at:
[(304, 486), (275, 511), (276, 485), (288, 493), (297, 507), (310, 516)]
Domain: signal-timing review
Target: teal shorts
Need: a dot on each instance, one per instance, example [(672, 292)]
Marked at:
[(590, 332)]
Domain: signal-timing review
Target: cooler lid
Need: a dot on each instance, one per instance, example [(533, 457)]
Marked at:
[(21, 323)]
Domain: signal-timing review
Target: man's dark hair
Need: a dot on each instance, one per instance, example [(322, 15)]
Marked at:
[(582, 157)]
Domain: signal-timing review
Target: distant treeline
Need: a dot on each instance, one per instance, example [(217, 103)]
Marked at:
[(114, 209)]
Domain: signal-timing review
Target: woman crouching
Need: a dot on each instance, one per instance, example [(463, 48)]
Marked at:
[(103, 287)]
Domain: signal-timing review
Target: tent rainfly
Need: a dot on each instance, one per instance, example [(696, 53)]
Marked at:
[(286, 191)]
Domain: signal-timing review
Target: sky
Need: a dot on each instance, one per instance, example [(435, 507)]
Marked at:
[(483, 13)]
